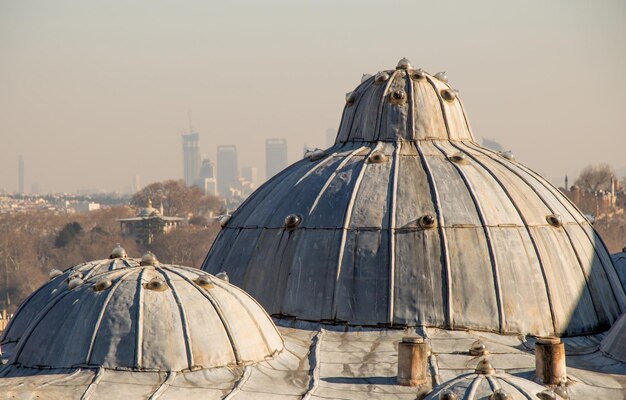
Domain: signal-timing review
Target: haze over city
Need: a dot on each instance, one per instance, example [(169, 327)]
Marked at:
[(93, 94)]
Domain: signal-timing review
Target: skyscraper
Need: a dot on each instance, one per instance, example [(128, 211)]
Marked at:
[(250, 174), (20, 174), (207, 181), (275, 156), (227, 170), (191, 158)]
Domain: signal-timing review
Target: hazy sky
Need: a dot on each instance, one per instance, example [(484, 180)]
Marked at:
[(92, 93)]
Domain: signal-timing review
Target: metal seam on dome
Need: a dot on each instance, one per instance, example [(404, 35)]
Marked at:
[(167, 382), (332, 177), (446, 124), (526, 226), (532, 174), (365, 85), (139, 333), (538, 253), (218, 311), (226, 286), (101, 315), (622, 303), (493, 384), (392, 226), (488, 238), (471, 393), (183, 317), (354, 108), (549, 207), (315, 358), (320, 164), (592, 242), (93, 384), (443, 240), (382, 103), (228, 290), (517, 387), (245, 375), (346, 224)]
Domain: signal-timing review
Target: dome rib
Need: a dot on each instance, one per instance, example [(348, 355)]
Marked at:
[(218, 311), (96, 329), (346, 222), (525, 223), (264, 335), (595, 302), (392, 229), (139, 331), (488, 238), (183, 318), (447, 295), (614, 280), (332, 176)]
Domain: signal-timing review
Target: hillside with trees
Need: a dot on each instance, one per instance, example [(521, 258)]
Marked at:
[(31, 244)]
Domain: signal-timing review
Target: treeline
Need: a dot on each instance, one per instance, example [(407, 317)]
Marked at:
[(31, 244)]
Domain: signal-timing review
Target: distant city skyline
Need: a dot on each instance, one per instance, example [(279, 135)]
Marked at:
[(93, 94)]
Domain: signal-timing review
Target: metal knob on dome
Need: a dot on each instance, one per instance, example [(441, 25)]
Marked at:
[(149, 259), (404, 63), (118, 252), (223, 276), (54, 273), (500, 394), (484, 367), (292, 221), (478, 348), (442, 76)]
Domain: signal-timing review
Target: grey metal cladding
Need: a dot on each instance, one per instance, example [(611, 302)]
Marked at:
[(29, 309), (149, 318), (488, 258)]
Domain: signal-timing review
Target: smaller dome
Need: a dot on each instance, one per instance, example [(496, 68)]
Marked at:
[(149, 211), (151, 318), (488, 384), (57, 284)]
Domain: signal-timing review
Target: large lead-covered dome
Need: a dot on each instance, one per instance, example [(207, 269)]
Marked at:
[(406, 220)]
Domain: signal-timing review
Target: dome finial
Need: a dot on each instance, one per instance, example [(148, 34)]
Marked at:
[(118, 252), (149, 203), (404, 63)]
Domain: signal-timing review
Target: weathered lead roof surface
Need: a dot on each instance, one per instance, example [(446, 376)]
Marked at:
[(30, 307), (328, 362), (155, 318), (406, 220), (615, 342)]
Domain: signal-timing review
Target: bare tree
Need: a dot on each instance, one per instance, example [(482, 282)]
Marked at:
[(177, 198), (595, 177)]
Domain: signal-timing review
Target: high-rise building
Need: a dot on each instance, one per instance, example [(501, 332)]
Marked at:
[(227, 170), (207, 181), (275, 156), (250, 174), (191, 158), (20, 174)]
